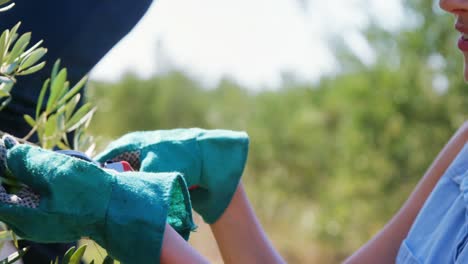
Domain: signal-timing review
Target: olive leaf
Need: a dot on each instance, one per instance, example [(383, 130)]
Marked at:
[(81, 116), (32, 69), (2, 2), (62, 113), (6, 84), (77, 255), (16, 59), (19, 47), (56, 261), (6, 8), (3, 43), (15, 239), (55, 69), (68, 254), (55, 88), (6, 235), (72, 256), (41, 97)]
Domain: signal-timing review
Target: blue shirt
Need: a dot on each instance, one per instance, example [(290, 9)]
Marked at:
[(440, 231), (80, 33)]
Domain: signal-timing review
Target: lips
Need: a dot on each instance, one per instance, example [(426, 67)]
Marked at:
[(463, 44), (462, 41)]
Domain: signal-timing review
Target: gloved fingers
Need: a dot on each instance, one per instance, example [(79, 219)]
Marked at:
[(30, 165), (9, 141), (24, 198), (14, 209), (6, 143), (28, 198), (22, 220)]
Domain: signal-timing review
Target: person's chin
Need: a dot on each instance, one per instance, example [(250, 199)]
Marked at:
[(465, 68)]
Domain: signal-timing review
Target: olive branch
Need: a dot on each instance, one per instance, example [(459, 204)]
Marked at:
[(61, 114), (54, 118), (16, 60)]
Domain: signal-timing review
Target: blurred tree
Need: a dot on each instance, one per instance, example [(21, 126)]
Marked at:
[(329, 162)]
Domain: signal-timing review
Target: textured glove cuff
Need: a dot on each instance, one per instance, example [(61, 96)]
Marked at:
[(224, 155), (138, 210)]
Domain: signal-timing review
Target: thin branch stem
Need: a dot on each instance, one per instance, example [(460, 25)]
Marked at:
[(30, 134)]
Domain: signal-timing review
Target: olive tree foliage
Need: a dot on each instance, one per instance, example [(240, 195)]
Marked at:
[(329, 162), (61, 115), (58, 112), (17, 58)]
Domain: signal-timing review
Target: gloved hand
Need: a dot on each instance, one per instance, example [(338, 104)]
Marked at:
[(126, 213), (211, 161)]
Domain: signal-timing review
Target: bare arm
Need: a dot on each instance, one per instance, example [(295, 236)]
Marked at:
[(383, 248), (240, 236), (176, 250)]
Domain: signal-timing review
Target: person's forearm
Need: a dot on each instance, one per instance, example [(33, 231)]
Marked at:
[(384, 247), (239, 235), (176, 250)]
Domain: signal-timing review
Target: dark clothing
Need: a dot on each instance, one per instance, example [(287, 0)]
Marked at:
[(80, 33), (43, 253)]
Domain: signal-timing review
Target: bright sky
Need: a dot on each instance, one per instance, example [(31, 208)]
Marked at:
[(252, 41)]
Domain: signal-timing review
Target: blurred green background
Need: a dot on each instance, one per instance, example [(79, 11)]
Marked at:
[(331, 161)]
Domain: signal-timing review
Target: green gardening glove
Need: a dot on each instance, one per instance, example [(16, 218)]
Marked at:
[(125, 213), (211, 161)]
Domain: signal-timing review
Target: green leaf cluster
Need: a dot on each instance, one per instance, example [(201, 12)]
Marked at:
[(52, 124), (334, 159), (17, 59), (61, 114), (74, 256)]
